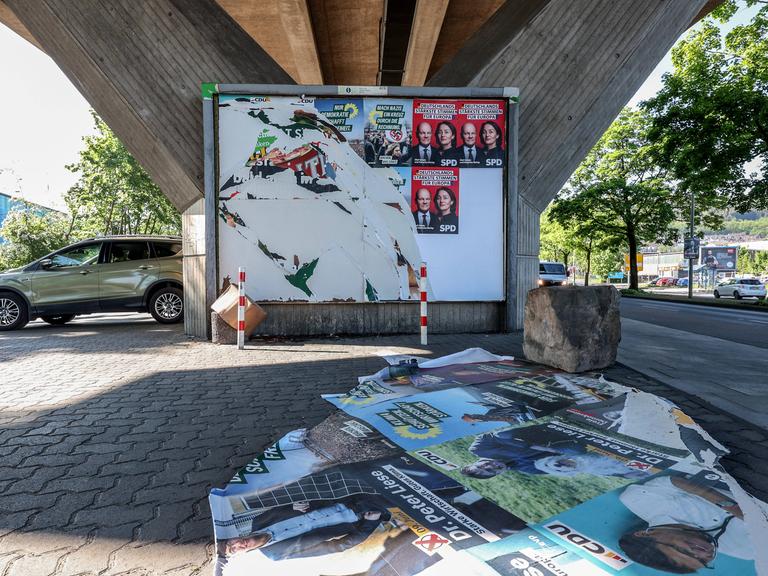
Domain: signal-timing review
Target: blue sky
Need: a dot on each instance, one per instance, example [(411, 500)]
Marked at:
[(43, 119)]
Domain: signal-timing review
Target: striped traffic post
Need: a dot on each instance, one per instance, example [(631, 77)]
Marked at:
[(241, 309), (423, 288)]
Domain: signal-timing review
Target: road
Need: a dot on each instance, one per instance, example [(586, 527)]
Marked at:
[(743, 326), (716, 354)]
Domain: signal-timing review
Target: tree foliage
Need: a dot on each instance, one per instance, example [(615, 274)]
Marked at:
[(753, 262), (619, 192), (30, 234), (566, 240), (556, 242), (114, 194), (710, 119)]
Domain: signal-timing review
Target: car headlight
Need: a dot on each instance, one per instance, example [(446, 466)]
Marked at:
[(541, 282), (563, 283)]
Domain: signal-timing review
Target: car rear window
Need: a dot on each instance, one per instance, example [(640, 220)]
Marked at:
[(165, 249), (551, 269), (128, 251)]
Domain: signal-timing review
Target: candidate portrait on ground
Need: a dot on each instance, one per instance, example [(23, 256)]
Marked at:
[(673, 523), (363, 518), (539, 468)]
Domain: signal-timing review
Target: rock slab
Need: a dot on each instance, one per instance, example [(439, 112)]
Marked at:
[(574, 328), (221, 332)]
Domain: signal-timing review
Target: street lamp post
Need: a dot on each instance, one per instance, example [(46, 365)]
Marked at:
[(690, 260)]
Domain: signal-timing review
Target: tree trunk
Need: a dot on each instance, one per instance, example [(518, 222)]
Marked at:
[(632, 242), (589, 262), (108, 223), (71, 225)]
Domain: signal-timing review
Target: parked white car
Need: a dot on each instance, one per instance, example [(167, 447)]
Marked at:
[(740, 288)]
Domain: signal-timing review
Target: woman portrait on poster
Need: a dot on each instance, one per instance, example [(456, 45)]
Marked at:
[(446, 142), (445, 204), (490, 134)]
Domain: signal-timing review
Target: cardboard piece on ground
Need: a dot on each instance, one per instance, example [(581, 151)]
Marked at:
[(226, 307)]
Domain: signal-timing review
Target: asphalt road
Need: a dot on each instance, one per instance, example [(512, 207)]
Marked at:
[(742, 326)]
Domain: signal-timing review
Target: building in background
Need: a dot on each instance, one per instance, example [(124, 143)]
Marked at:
[(8, 203)]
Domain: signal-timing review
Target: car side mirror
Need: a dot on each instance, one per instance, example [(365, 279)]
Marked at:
[(46, 263), (568, 273)]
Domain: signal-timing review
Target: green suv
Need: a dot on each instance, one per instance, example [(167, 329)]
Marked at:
[(109, 274)]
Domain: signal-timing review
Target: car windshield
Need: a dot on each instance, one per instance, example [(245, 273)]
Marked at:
[(551, 268), (78, 256)]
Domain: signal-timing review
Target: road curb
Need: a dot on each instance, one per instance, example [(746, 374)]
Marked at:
[(700, 302)]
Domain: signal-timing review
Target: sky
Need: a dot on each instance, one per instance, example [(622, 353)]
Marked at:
[(43, 119)]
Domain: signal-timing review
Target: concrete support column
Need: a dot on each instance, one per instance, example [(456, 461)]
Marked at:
[(195, 302), (527, 261)]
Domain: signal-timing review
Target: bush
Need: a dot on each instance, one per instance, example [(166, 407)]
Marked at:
[(633, 292)]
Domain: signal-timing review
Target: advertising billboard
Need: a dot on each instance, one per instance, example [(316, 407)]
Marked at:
[(719, 257), (340, 199)]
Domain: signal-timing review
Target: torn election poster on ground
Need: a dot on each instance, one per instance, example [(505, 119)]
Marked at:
[(386, 516), (684, 521), (546, 467), (534, 472)]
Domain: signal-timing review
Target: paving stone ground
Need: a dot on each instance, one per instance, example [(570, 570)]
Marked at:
[(113, 429)]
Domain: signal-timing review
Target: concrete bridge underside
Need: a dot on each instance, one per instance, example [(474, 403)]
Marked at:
[(140, 65)]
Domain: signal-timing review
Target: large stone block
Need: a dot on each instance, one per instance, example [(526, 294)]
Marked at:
[(221, 332), (574, 328)]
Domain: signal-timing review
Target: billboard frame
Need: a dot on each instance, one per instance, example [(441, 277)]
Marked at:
[(211, 92)]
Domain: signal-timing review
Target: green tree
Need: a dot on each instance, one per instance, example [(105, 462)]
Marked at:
[(710, 119), (114, 195), (753, 262), (620, 192), (30, 234), (607, 260), (556, 242)]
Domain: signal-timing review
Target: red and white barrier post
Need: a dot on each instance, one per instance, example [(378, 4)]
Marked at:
[(241, 309), (423, 289)]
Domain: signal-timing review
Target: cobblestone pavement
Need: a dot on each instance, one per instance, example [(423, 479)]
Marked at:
[(113, 429)]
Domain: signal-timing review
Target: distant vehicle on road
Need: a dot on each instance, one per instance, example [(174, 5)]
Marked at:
[(740, 288), (682, 282), (552, 274), (666, 281), (109, 274)]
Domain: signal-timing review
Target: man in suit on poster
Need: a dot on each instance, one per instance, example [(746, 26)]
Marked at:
[(469, 153), (425, 219), (424, 154)]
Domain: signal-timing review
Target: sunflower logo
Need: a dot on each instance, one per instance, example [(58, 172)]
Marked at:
[(405, 432), (351, 109), (373, 116), (355, 401)]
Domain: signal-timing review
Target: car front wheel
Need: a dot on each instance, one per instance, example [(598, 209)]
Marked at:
[(13, 311), (736, 295), (58, 320), (167, 305), (717, 294)]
